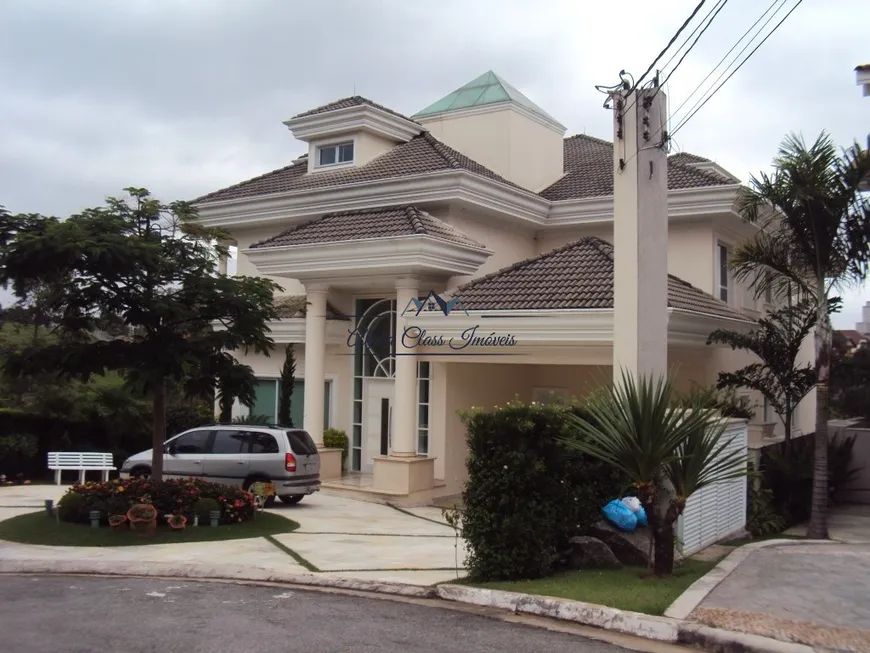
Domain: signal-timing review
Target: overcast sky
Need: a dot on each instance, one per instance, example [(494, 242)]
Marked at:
[(187, 96)]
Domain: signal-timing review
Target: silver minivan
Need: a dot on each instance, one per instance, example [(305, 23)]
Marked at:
[(239, 454)]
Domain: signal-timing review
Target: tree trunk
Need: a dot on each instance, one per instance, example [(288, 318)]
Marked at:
[(787, 420), (158, 434), (226, 410), (664, 548), (818, 528)]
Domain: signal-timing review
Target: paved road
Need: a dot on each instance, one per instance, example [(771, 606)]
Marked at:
[(80, 615)]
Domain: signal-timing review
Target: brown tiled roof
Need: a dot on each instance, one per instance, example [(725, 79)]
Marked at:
[(347, 103), (383, 222), (422, 154), (862, 67), (685, 158), (290, 306), (577, 275), (589, 171)]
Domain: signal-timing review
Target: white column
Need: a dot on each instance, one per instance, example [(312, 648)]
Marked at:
[(315, 355), (405, 388), (640, 235)]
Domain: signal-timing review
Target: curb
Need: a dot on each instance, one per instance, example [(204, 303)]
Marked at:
[(661, 629), (205, 572), (698, 591), (716, 640)]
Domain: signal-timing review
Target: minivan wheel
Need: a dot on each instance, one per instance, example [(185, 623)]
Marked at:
[(270, 500), (140, 472), (291, 499)]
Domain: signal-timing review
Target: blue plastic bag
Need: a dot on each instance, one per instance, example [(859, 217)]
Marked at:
[(620, 515), (641, 517)]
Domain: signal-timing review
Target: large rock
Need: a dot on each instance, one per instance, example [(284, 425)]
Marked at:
[(632, 548), (591, 553)]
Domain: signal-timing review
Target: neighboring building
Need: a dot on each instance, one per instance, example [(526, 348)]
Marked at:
[(481, 198), (862, 78), (863, 326)]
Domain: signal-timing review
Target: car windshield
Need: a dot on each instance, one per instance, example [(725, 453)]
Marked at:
[(301, 443)]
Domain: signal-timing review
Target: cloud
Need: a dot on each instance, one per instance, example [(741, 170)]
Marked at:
[(187, 96)]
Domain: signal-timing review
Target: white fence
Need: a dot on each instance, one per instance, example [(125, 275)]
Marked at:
[(718, 510)]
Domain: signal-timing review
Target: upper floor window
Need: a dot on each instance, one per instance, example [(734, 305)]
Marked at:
[(330, 155), (722, 272)]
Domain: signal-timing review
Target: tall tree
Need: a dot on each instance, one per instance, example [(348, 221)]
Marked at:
[(814, 237), (776, 341), (151, 265), (288, 380)]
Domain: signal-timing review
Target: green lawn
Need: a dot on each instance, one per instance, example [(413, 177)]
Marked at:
[(626, 589), (38, 528)]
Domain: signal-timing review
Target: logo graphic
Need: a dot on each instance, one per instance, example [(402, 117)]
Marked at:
[(432, 302)]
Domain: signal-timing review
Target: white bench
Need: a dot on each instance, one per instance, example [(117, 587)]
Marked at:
[(81, 461)]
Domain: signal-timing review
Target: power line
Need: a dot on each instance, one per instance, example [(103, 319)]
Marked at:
[(716, 90), (710, 22), (739, 41), (670, 43), (689, 37)]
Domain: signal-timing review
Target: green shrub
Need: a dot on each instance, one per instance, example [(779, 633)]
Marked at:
[(527, 494), (173, 496), (73, 507), (203, 507), (337, 439), (788, 473), (17, 450), (761, 516)]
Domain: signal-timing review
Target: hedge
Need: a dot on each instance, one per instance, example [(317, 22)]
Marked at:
[(527, 494)]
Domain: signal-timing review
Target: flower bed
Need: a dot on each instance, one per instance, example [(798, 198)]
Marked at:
[(170, 497)]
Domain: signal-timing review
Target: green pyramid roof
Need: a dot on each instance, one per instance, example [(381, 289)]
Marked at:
[(489, 88)]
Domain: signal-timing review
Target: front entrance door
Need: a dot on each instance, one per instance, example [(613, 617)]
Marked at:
[(377, 426)]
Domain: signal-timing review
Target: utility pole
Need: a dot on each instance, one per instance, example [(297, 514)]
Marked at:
[(640, 233)]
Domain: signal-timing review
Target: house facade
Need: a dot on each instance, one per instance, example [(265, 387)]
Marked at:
[(462, 256)]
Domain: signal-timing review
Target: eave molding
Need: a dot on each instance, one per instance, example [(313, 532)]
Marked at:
[(363, 117), (292, 330), (415, 254), (684, 203), (442, 186)]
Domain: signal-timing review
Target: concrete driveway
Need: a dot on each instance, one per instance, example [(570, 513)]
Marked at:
[(338, 536)]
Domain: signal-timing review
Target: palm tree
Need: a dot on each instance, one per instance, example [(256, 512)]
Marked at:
[(814, 238), (669, 449)]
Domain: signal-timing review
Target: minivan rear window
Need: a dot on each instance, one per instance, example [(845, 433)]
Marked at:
[(301, 443)]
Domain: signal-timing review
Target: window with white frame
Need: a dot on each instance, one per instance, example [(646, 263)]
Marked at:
[(330, 155), (722, 277)]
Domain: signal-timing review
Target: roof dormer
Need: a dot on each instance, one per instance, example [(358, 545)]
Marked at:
[(350, 132)]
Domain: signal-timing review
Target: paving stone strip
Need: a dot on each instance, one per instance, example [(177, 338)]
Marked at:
[(787, 630)]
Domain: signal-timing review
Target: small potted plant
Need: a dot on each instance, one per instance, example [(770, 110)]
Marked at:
[(143, 518), (117, 522), (177, 522)]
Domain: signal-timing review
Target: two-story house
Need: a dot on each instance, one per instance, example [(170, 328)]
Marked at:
[(460, 257)]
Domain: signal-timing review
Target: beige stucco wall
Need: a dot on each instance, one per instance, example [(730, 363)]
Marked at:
[(247, 237), (506, 141), (508, 244), (484, 137)]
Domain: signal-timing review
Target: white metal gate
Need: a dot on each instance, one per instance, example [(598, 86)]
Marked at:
[(717, 510)]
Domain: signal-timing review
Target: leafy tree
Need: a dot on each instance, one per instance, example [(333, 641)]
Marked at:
[(776, 341), (150, 265), (850, 380), (288, 379), (814, 237), (668, 448)]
